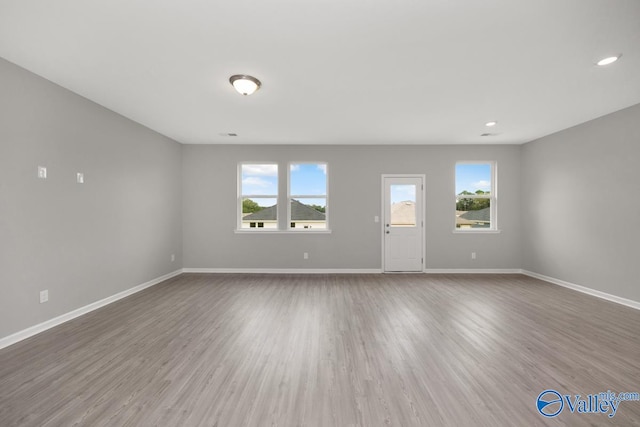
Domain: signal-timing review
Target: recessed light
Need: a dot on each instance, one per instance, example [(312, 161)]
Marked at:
[(490, 124), (608, 60)]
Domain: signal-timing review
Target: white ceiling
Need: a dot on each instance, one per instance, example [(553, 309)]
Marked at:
[(336, 71)]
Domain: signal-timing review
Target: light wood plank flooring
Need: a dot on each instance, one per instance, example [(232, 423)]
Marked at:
[(326, 350)]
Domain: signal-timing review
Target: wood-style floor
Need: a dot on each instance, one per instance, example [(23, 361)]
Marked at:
[(231, 350)]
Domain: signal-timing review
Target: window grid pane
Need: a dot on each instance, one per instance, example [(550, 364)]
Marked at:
[(259, 210), (308, 213)]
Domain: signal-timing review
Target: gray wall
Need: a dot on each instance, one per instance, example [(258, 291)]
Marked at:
[(581, 204), (81, 242), (209, 195)]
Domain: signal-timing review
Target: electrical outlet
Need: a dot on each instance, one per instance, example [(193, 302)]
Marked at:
[(44, 296), (473, 255), (305, 255)]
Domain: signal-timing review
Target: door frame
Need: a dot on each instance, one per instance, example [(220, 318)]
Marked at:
[(423, 178)]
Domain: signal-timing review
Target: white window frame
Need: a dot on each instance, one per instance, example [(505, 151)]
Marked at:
[(306, 196), (255, 196), (493, 198)]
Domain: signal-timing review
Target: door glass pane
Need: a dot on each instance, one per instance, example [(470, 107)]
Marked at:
[(403, 205)]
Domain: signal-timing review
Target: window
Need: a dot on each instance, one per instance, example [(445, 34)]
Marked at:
[(308, 196), (258, 196), (305, 207), (476, 198)]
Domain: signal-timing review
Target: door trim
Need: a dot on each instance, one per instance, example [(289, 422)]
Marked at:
[(423, 177)]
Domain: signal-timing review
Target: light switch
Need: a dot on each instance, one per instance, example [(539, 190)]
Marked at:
[(42, 172), (80, 178)]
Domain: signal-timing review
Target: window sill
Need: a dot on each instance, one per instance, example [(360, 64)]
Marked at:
[(243, 231), (476, 231)]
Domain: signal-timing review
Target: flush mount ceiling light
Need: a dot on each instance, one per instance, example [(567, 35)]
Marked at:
[(244, 84), (608, 60), (491, 124)]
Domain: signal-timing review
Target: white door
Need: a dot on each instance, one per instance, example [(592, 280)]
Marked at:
[(403, 223)]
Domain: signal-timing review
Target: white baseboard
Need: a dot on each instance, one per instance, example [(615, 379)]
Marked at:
[(473, 270), (33, 330), (346, 270), (285, 270), (584, 289)]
